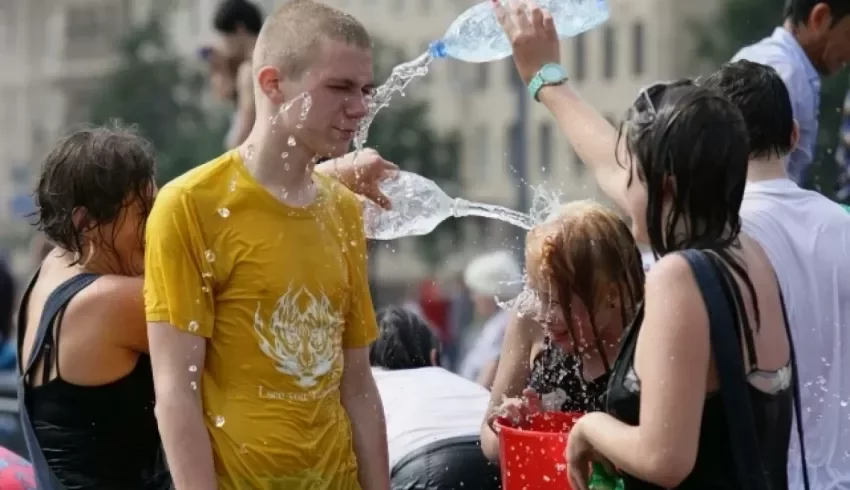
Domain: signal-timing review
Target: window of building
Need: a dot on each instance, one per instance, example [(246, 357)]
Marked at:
[(638, 48), (579, 68), (609, 52), (545, 147)]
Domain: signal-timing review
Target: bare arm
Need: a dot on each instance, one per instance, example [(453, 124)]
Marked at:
[(672, 360), (178, 361), (511, 375), (362, 401), (591, 135), (246, 112)]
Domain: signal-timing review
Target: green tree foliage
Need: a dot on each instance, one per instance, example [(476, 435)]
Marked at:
[(742, 22), (401, 133), (154, 89)]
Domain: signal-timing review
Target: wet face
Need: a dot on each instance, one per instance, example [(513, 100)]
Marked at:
[(339, 84)]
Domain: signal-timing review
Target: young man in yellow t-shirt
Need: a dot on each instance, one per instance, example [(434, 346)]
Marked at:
[(257, 298)]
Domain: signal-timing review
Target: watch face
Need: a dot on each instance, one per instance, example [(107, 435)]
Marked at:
[(552, 73)]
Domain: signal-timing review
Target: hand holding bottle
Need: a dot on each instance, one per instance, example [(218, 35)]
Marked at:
[(532, 33)]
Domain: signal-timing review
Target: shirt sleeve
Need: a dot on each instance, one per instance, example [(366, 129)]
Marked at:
[(361, 328), (178, 267)]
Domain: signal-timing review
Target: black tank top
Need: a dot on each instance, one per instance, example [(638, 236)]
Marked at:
[(715, 465), (553, 369), (81, 437)]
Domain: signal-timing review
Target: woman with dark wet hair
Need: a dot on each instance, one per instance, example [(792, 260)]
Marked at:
[(86, 395), (701, 393)]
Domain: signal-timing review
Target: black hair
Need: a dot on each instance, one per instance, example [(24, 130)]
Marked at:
[(760, 94), (231, 14), (798, 11), (101, 171), (405, 340), (694, 139)]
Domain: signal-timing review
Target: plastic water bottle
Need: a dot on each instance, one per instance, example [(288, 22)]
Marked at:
[(477, 37), (419, 206)]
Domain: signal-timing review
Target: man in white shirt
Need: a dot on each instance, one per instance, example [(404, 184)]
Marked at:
[(807, 238), (433, 416)]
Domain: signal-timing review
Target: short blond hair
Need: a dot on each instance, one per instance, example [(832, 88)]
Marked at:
[(291, 38)]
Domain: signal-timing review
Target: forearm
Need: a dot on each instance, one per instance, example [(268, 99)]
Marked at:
[(187, 443), (369, 431), (489, 442), (623, 446)]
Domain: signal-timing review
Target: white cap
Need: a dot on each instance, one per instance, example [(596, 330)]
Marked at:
[(495, 274)]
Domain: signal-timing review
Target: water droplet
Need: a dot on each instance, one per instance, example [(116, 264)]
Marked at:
[(233, 184), (193, 369), (219, 421), (250, 152), (193, 326), (291, 141), (207, 275), (194, 386), (299, 126), (284, 155), (223, 212), (205, 289), (209, 255)]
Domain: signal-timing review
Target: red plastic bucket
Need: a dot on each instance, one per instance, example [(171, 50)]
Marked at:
[(532, 454)]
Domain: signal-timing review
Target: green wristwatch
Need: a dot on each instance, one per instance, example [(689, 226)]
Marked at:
[(549, 74)]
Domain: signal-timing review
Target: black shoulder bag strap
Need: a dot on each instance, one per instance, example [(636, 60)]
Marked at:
[(726, 347)]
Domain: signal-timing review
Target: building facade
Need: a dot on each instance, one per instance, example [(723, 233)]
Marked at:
[(55, 52)]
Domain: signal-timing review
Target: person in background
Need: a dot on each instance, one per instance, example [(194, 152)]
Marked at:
[(222, 73), (432, 414), (807, 238), (491, 277), (814, 41), (238, 23), (585, 281)]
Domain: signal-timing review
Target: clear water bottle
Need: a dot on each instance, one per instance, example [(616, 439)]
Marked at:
[(419, 205), (476, 36)]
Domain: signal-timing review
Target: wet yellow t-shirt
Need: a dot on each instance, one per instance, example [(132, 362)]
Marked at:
[(279, 293)]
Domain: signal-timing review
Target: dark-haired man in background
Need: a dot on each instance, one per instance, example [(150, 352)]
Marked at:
[(814, 41), (805, 236), (238, 24)]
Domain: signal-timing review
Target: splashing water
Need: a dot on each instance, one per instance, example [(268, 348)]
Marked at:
[(399, 79), (544, 207), (306, 104)]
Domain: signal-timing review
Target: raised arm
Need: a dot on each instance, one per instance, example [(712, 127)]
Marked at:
[(180, 314), (535, 44)]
